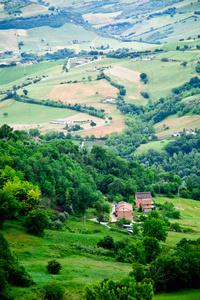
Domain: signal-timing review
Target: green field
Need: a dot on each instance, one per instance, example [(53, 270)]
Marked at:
[(190, 210), (182, 295), (24, 113), (190, 43), (12, 74), (55, 37), (160, 83), (80, 268), (157, 145), (179, 55)]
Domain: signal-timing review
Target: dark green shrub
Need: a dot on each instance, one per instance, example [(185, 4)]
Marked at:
[(62, 217), (176, 214), (19, 277), (66, 215), (53, 291), (58, 224), (53, 267), (107, 242), (96, 230), (36, 221), (176, 227)]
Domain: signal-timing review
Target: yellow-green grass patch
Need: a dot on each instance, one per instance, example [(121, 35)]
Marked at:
[(190, 210), (15, 75), (179, 55), (24, 113), (176, 125), (115, 44), (38, 38), (181, 295), (156, 145), (162, 76)]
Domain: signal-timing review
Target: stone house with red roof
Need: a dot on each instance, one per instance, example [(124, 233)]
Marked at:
[(144, 199), (124, 209)]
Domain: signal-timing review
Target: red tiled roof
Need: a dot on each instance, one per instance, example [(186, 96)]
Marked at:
[(143, 195)]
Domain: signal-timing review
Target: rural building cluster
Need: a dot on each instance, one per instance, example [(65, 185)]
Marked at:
[(143, 201)]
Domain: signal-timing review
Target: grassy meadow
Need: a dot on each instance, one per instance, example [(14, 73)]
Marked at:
[(182, 295), (56, 38), (25, 114), (188, 56), (79, 267), (12, 75), (190, 210), (156, 145), (160, 83)]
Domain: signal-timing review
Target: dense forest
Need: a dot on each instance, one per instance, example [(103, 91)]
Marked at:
[(74, 177), (182, 157)]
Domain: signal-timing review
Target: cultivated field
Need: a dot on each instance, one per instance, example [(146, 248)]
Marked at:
[(34, 9), (15, 75), (8, 40), (100, 18), (83, 93), (131, 81), (176, 125), (116, 125)]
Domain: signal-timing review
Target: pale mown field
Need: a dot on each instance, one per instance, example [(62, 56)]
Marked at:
[(84, 92), (176, 125)]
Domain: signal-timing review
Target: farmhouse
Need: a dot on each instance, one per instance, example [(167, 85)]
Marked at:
[(144, 200), (124, 209), (109, 100), (91, 70), (134, 59), (62, 121), (189, 131), (176, 134), (82, 61)]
